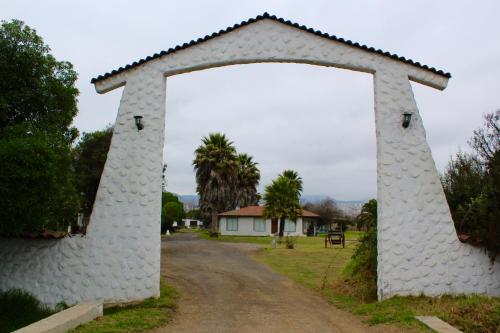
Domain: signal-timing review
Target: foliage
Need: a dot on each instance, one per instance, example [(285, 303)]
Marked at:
[(327, 209), (37, 106), (290, 242), (89, 157), (172, 210), (367, 217), (282, 197), (36, 89), (18, 309), (194, 214), (37, 184), (223, 178), (248, 179), (152, 313), (361, 271), (471, 183)]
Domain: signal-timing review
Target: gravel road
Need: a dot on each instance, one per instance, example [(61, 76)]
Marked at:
[(224, 290)]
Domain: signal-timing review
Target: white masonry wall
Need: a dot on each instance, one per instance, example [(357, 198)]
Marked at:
[(119, 258)]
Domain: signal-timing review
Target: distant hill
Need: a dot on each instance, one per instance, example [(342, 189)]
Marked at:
[(191, 200), (315, 198)]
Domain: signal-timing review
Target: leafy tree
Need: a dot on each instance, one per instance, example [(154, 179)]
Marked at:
[(216, 166), (248, 180), (327, 210), (36, 90), (471, 183), (37, 106), (281, 198), (168, 197), (172, 210), (194, 214), (367, 218), (89, 157), (37, 191)]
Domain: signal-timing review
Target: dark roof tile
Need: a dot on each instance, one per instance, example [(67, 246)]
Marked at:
[(272, 17)]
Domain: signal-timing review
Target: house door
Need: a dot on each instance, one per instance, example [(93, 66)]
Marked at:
[(274, 226)]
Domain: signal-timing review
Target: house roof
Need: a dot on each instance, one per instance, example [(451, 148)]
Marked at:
[(281, 20), (259, 211)]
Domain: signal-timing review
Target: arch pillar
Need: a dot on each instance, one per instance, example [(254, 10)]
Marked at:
[(128, 201), (418, 249)]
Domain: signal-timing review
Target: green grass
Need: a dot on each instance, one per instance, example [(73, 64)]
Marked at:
[(323, 270), (149, 314), (18, 309)]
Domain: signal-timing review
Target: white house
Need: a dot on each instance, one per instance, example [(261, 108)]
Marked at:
[(188, 223), (250, 221)]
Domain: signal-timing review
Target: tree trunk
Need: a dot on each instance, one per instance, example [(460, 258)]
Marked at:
[(214, 226), (282, 227)]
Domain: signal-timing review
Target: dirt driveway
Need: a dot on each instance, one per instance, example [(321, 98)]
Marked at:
[(224, 290)]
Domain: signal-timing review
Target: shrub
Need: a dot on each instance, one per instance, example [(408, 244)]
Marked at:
[(290, 242), (362, 269), (37, 184), (471, 184), (37, 106), (89, 157), (18, 309)]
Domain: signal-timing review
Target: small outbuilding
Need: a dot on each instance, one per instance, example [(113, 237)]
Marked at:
[(251, 221)]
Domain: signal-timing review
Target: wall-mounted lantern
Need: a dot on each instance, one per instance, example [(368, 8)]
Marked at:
[(406, 119), (138, 122)]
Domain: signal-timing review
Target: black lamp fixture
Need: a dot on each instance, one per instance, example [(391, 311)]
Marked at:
[(406, 119), (138, 122)]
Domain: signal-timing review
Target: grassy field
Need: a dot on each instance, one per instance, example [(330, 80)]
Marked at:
[(151, 313), (320, 269)]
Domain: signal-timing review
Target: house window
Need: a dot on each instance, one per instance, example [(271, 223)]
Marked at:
[(231, 224), (290, 226), (259, 224)]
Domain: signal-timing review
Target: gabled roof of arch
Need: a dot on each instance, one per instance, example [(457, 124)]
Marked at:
[(281, 20)]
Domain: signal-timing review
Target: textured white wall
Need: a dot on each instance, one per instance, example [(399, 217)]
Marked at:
[(418, 249), (119, 258)]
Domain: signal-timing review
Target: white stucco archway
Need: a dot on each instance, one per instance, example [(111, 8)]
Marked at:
[(119, 258)]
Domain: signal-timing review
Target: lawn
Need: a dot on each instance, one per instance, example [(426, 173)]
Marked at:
[(320, 269), (149, 314)]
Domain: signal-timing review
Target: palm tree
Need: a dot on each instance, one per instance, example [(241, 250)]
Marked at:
[(367, 218), (282, 198), (248, 179), (216, 166), (294, 178)]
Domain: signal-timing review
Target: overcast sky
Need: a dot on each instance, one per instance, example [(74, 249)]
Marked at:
[(318, 121)]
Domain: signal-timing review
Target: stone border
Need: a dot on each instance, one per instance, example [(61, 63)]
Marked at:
[(437, 324)]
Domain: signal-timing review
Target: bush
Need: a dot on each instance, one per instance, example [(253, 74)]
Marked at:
[(18, 309), (37, 190), (362, 269), (37, 106), (89, 157), (290, 242), (471, 183)]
